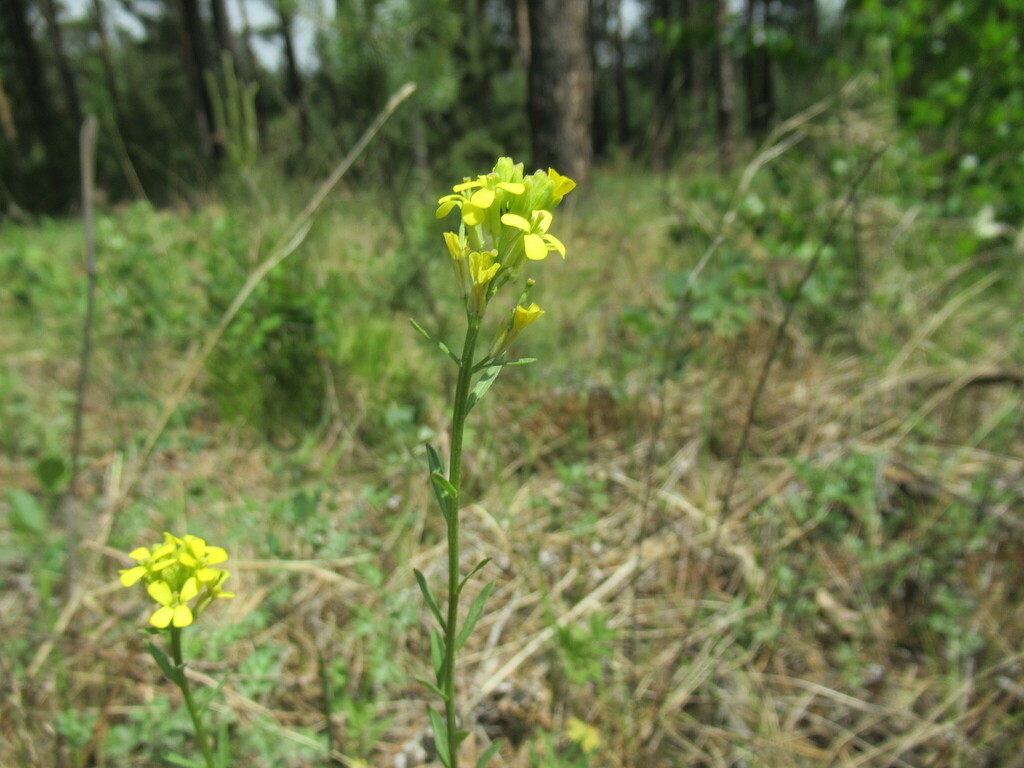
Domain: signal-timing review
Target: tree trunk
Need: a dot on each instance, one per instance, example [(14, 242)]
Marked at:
[(621, 92), (700, 20), (34, 90), (560, 87), (757, 66), (6, 120), (522, 34), (67, 78), (286, 18), (222, 30), (196, 60), (725, 83), (661, 82)]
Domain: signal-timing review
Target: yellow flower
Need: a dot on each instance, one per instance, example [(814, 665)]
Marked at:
[(149, 562), (520, 318), (584, 734), (482, 269), (536, 241), (523, 316), (173, 604), (176, 573), (196, 554), (563, 184)]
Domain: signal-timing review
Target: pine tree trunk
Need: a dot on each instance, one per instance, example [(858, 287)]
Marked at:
[(726, 86), (757, 71), (561, 87), (286, 18), (196, 60), (67, 78)]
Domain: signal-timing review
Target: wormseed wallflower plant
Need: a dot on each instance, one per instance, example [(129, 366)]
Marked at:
[(180, 576), (504, 223)]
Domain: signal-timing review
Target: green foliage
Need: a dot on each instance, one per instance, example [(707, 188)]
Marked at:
[(959, 69), (584, 650)]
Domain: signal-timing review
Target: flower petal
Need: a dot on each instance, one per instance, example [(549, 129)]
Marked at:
[(514, 220), (162, 617), (161, 592), (132, 575), (444, 208), (190, 590), (482, 198), (472, 215), (466, 185), (142, 553), (512, 186), (216, 555), (536, 248), (555, 244), (182, 616)]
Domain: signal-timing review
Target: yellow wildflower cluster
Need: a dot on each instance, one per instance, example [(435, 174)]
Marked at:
[(505, 220), (180, 576)]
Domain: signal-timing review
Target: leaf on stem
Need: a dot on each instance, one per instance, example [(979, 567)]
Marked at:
[(483, 385), (437, 655), (489, 753), (433, 688), (429, 598), (446, 494), (473, 616), (489, 363), (440, 736), (174, 674), (440, 344), (472, 573)]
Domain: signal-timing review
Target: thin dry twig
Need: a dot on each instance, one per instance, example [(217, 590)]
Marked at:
[(780, 332)]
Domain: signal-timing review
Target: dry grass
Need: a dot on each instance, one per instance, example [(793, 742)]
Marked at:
[(804, 629)]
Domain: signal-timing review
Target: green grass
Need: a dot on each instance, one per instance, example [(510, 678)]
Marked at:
[(860, 606)]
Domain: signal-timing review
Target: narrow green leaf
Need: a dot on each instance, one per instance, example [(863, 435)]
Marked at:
[(184, 762), (440, 344), (483, 385), (429, 598), (26, 513), (223, 745), (445, 493), (489, 362), (473, 616), (489, 753), (437, 654), (460, 736), (440, 736), (433, 688), (433, 460), (164, 662), (472, 573), (444, 484)]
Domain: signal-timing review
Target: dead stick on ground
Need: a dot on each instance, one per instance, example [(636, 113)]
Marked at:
[(780, 333), (87, 148)]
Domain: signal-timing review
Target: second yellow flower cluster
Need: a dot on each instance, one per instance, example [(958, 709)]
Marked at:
[(180, 576)]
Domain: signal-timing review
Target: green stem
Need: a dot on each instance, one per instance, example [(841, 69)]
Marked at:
[(193, 710), (460, 410)]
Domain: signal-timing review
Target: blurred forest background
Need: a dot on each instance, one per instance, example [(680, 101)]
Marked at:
[(757, 505), (187, 87)]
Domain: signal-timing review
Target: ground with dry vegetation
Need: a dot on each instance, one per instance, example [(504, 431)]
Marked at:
[(836, 584)]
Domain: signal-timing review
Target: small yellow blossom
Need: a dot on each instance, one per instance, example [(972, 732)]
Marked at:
[(584, 734), (179, 575)]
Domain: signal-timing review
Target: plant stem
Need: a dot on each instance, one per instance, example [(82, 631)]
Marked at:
[(193, 710), (460, 410)]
